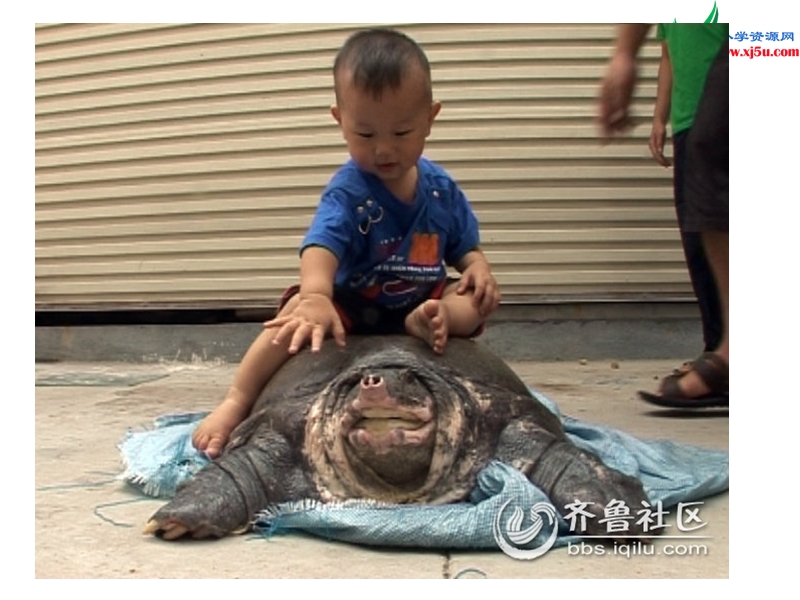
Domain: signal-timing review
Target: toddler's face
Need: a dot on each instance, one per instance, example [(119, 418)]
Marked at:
[(386, 136)]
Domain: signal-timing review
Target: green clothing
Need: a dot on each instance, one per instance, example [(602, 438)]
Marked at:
[(692, 47)]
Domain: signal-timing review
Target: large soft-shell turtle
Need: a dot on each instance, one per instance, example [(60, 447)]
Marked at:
[(387, 419)]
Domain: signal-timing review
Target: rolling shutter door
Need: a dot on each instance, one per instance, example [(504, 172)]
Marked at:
[(179, 165)]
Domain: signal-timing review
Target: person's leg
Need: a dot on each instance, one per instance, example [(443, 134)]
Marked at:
[(700, 274), (435, 320), (708, 301), (716, 247), (707, 212), (691, 384), (259, 363), (707, 195)]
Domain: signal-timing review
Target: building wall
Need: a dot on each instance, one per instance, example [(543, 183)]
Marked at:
[(179, 165)]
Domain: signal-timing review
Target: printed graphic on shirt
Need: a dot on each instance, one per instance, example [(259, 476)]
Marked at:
[(424, 249), (404, 270)]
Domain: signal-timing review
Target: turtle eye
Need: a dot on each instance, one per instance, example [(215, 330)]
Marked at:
[(407, 376)]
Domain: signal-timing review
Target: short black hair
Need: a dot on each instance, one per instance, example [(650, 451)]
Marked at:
[(380, 58)]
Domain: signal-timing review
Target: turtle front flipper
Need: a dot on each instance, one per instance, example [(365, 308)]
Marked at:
[(225, 496), (575, 480)]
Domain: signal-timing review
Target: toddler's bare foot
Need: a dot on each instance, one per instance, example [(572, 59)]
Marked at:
[(429, 322), (212, 433)]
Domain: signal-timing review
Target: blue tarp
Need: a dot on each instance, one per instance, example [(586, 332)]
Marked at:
[(158, 460)]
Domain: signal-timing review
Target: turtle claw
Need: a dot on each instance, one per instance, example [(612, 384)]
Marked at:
[(173, 531), (167, 531), (151, 527)]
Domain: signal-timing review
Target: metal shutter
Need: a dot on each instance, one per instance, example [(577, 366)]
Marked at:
[(179, 165)]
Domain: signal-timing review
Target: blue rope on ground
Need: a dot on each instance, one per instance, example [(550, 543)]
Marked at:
[(119, 503)]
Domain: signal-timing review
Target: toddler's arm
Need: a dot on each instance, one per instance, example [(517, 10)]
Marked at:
[(315, 315)]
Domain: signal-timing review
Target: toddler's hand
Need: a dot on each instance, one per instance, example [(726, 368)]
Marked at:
[(314, 316), (486, 295)]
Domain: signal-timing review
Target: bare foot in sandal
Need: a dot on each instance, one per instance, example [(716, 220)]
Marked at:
[(703, 384), (692, 384)]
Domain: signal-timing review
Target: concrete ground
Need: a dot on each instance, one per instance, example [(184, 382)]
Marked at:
[(89, 525)]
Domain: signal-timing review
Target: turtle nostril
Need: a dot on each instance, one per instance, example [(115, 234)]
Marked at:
[(371, 381)]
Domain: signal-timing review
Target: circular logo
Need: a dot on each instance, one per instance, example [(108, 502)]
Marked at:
[(517, 538)]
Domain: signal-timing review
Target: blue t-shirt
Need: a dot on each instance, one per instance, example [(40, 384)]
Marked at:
[(388, 251)]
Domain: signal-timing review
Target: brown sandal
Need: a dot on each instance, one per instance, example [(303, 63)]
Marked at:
[(711, 368)]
